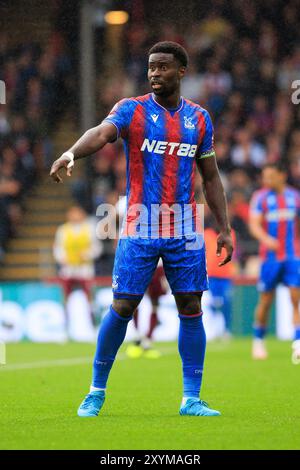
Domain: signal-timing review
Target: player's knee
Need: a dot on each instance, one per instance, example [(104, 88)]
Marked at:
[(295, 302), (125, 307), (266, 304), (188, 304), (266, 299)]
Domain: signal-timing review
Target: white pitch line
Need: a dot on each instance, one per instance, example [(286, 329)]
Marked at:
[(65, 362), (40, 364)]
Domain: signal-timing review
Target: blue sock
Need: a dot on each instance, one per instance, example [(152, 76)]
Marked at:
[(191, 345), (297, 333), (111, 335), (259, 332)]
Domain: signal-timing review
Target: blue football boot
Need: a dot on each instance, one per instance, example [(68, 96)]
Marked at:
[(197, 407), (92, 404)]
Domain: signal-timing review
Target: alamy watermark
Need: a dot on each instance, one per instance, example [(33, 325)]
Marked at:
[(2, 92), (296, 94), (152, 222)]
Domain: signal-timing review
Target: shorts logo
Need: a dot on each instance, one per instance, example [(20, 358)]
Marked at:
[(188, 123), (115, 282)]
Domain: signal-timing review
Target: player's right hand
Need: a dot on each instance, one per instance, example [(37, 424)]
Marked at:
[(224, 240), (65, 161), (271, 243)]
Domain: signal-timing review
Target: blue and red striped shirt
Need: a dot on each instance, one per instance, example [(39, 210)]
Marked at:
[(161, 146), (281, 212)]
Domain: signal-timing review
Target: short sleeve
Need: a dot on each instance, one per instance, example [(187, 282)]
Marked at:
[(206, 147), (120, 116), (256, 204)]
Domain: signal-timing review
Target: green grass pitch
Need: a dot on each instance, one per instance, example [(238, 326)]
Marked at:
[(42, 385)]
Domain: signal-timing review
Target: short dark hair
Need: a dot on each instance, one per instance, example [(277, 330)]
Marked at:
[(279, 166), (170, 47)]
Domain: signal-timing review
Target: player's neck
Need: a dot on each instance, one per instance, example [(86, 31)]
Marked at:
[(280, 189), (169, 102)]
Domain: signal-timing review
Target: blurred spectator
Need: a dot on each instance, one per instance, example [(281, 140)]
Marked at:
[(294, 178), (247, 151), (75, 249), (262, 116), (216, 85), (4, 124), (192, 83), (34, 82), (104, 178)]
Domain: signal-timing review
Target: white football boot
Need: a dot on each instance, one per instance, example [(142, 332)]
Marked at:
[(259, 351), (296, 352)]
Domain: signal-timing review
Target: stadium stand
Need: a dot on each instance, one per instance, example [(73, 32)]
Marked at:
[(35, 72), (241, 69)]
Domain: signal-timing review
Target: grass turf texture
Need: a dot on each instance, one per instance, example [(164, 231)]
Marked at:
[(259, 401)]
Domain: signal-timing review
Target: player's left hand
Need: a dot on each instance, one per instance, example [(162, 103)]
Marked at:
[(225, 241)]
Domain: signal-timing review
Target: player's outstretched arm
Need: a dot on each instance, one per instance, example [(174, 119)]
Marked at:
[(216, 199), (90, 142)]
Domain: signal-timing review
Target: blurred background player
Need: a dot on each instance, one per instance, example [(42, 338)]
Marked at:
[(220, 278), (157, 287), (274, 221), (143, 343), (75, 249)]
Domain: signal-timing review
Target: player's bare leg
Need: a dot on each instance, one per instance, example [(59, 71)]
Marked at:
[(152, 321), (295, 299), (135, 350), (147, 345), (142, 345), (192, 345), (260, 325)]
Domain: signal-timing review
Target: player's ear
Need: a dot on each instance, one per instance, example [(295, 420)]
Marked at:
[(181, 71)]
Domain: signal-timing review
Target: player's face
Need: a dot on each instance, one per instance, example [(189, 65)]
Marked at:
[(273, 179), (164, 73), (76, 215)]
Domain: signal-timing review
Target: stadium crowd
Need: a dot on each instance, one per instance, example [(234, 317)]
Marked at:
[(244, 57), (243, 60), (35, 81)]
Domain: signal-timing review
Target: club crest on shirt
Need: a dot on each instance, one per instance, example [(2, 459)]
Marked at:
[(154, 117), (114, 282), (188, 123)]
